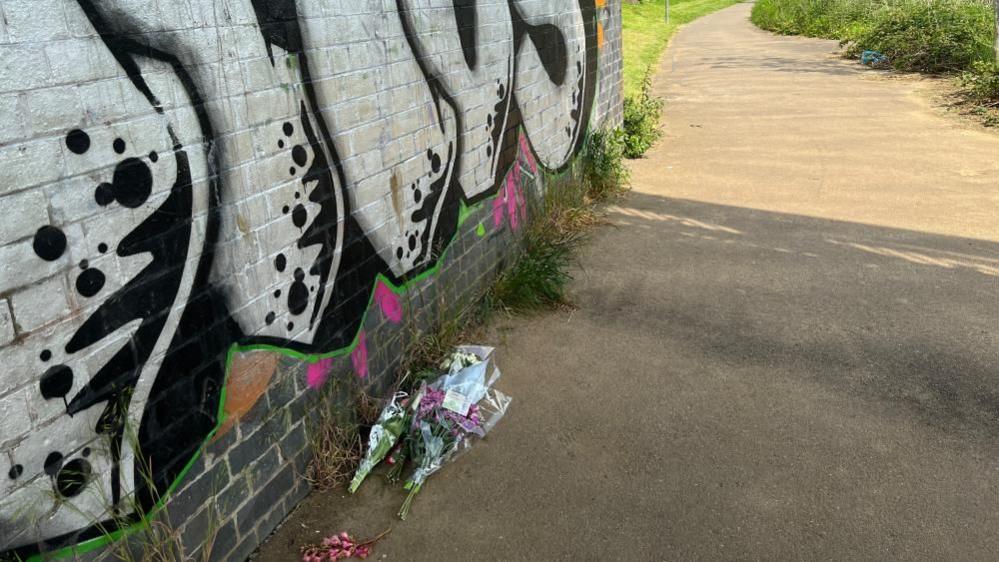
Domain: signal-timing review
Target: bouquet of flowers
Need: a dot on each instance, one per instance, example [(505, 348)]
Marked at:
[(442, 420), (390, 426)]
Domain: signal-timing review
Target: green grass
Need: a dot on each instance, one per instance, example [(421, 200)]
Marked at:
[(645, 32), (828, 19)]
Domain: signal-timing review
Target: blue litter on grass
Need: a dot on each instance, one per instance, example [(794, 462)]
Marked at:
[(872, 58)]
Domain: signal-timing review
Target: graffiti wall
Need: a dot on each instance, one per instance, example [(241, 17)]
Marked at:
[(181, 180)]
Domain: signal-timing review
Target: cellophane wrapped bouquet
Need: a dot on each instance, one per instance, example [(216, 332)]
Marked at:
[(438, 422)]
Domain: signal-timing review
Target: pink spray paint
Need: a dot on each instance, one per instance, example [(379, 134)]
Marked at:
[(388, 301), (316, 375), (510, 201), (525, 152), (498, 203), (359, 357), (512, 183)]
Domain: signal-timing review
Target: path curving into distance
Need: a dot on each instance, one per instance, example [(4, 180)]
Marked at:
[(785, 124)]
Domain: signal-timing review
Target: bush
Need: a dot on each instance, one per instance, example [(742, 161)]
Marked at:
[(917, 35), (641, 119), (928, 35), (603, 166), (828, 19), (981, 83)]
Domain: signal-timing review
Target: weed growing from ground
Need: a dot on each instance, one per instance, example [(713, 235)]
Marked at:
[(334, 433), (560, 215), (538, 276), (157, 539), (602, 164), (641, 119)]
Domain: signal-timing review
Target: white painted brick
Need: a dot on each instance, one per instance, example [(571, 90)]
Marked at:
[(236, 12), (259, 74), (19, 265), (41, 304), (72, 200), (76, 21), (22, 214), (23, 67), (80, 60), (14, 419), (166, 87), (35, 20), (232, 80), (52, 109), (367, 137), (189, 14), (12, 109), (6, 323), (103, 99)]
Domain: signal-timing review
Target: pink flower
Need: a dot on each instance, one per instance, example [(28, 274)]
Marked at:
[(309, 555), (339, 547)]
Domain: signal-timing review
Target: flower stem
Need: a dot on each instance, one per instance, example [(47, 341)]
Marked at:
[(377, 538), (409, 501)]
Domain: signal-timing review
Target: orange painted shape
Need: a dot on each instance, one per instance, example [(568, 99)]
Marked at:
[(600, 35), (249, 376)]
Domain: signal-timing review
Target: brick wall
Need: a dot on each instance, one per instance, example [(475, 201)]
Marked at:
[(213, 209)]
